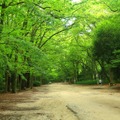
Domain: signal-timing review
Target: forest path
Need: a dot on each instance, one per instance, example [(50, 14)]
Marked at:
[(62, 102)]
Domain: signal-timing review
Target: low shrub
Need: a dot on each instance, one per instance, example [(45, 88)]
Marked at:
[(91, 82), (36, 83)]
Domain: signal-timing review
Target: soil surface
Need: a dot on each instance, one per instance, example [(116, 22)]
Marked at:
[(62, 102)]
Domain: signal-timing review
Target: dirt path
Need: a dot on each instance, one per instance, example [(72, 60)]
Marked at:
[(62, 102)]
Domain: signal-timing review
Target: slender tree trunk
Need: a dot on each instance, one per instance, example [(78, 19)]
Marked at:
[(27, 76), (3, 6), (23, 84), (111, 77), (19, 83), (9, 83), (14, 82), (6, 81), (75, 71), (31, 81)]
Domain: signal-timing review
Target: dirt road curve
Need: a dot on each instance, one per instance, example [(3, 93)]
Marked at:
[(62, 102)]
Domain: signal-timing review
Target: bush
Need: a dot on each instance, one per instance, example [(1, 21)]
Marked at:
[(91, 82), (87, 82), (36, 83)]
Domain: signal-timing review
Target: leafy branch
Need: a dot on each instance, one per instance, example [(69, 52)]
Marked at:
[(55, 34), (11, 4), (117, 10)]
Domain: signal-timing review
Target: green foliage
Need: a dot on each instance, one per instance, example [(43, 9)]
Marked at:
[(116, 62), (91, 82), (87, 82), (52, 39), (36, 83), (107, 40), (106, 43)]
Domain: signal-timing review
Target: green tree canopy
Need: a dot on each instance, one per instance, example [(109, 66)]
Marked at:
[(107, 41)]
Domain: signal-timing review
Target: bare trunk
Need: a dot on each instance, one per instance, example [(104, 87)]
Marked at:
[(6, 81), (14, 82), (27, 76)]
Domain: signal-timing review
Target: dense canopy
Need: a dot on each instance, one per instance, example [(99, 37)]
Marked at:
[(44, 41)]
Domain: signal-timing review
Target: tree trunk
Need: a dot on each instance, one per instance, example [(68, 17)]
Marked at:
[(104, 74), (14, 82), (111, 77), (31, 81), (23, 84), (19, 83), (9, 83), (75, 64), (2, 15), (27, 76), (6, 81)]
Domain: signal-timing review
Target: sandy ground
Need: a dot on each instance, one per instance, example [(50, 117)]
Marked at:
[(62, 102)]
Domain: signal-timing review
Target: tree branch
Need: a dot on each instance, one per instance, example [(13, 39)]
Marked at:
[(41, 6), (110, 7), (39, 43), (13, 4), (45, 7), (50, 11), (51, 37), (55, 34)]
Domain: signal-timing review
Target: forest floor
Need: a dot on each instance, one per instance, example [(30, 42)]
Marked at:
[(62, 102)]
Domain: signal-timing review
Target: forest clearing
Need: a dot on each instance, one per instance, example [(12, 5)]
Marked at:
[(62, 102)]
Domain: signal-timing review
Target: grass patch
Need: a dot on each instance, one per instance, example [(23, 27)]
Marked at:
[(87, 82), (91, 82)]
